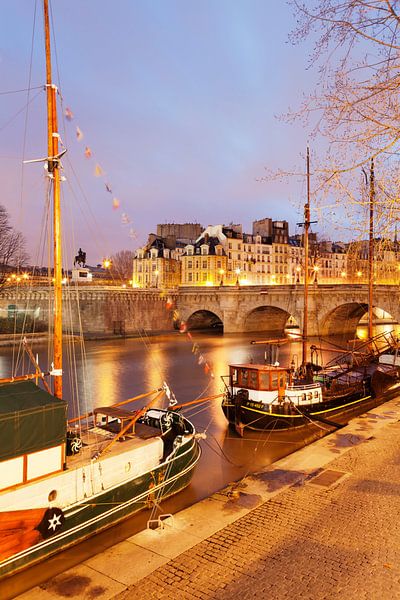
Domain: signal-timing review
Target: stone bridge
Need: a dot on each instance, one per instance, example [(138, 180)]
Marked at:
[(102, 310), (333, 309)]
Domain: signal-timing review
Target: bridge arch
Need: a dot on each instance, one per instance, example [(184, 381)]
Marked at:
[(345, 318), (268, 318), (204, 319)]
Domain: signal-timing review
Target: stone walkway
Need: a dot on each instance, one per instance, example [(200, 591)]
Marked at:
[(308, 542), (322, 523)]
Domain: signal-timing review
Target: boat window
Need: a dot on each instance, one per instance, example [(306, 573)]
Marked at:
[(234, 376), (274, 381), (244, 377), (264, 380), (253, 380)]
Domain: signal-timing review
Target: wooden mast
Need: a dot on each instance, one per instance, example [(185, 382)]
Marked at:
[(54, 174), (371, 248), (306, 253)]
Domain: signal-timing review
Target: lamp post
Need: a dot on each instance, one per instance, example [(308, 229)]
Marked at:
[(221, 273), (316, 269), (237, 271)]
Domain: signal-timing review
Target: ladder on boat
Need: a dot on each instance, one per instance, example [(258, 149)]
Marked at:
[(364, 354)]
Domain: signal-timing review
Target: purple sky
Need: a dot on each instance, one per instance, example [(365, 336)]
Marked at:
[(176, 99)]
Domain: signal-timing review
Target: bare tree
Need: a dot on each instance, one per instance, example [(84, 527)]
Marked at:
[(122, 265), (12, 247), (356, 104)]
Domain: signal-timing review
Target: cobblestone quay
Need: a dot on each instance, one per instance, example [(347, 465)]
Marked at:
[(308, 542)]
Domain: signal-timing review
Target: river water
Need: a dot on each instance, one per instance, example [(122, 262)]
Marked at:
[(118, 369)]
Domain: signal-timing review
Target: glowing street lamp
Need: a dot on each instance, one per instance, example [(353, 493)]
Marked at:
[(106, 263), (237, 271), (316, 269), (221, 272), (156, 273)]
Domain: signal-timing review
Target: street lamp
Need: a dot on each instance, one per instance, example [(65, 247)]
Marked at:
[(106, 263), (156, 273), (237, 271), (316, 269), (221, 272)]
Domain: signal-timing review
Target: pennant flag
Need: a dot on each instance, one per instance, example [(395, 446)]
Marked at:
[(108, 188), (125, 219), (88, 152), (176, 315), (206, 368), (182, 327), (115, 203), (189, 335), (201, 359), (68, 114), (169, 304), (79, 134), (132, 234), (98, 171)]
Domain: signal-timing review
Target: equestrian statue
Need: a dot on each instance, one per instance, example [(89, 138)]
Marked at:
[(80, 258)]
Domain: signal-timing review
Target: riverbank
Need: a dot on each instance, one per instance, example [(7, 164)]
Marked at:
[(305, 527), (8, 340)]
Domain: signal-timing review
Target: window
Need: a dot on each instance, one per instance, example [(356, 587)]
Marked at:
[(274, 381), (253, 382), (234, 376), (190, 264), (204, 264), (244, 377), (189, 276), (264, 381)]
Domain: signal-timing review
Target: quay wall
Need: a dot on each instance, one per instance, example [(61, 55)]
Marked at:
[(102, 311)]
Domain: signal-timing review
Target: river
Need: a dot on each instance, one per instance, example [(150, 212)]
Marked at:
[(114, 370)]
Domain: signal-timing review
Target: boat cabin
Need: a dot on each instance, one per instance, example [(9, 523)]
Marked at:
[(258, 377), (33, 431)]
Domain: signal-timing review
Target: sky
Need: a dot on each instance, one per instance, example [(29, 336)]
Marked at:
[(178, 102)]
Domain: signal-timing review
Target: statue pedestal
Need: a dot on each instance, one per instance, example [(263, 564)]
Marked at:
[(82, 275)]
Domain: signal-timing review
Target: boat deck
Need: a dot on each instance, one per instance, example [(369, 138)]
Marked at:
[(96, 439)]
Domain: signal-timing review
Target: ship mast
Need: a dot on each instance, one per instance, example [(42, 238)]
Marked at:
[(371, 248), (54, 175), (306, 253)]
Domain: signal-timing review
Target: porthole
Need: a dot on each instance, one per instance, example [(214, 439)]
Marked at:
[(52, 495)]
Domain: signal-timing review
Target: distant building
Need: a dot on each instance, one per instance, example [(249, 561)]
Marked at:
[(156, 265), (185, 232), (204, 262)]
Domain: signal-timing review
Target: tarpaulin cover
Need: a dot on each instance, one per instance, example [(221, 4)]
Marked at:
[(31, 419)]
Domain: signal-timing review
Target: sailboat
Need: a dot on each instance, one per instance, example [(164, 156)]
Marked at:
[(269, 396), (62, 481)]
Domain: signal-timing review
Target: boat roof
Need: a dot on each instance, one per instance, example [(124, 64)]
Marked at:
[(114, 411), (258, 367), (26, 396)]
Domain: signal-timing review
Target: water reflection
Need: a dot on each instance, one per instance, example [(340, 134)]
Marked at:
[(114, 370)]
